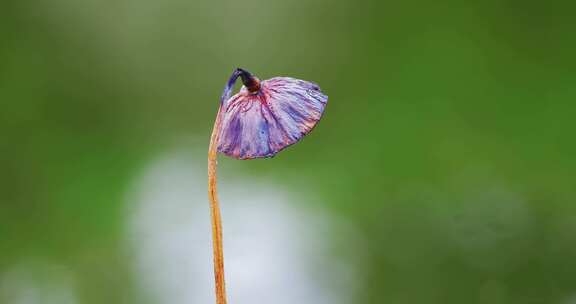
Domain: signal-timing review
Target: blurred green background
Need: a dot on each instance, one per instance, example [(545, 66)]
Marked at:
[(447, 143)]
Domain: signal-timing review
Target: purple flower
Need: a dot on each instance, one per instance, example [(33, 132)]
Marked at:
[(267, 116)]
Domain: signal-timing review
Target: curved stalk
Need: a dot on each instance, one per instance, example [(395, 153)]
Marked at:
[(215, 214), (253, 84)]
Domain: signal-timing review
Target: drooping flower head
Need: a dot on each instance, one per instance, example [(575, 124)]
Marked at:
[(267, 116)]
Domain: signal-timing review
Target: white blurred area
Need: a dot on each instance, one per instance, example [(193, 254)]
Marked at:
[(37, 283), (275, 252)]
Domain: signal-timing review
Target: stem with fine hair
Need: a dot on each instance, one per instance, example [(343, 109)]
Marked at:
[(215, 214)]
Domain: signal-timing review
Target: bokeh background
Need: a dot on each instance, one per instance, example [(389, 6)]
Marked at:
[(443, 170)]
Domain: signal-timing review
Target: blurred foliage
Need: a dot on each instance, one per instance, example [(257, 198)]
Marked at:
[(448, 138)]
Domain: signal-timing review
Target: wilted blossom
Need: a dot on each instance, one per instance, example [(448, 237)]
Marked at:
[(267, 116)]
